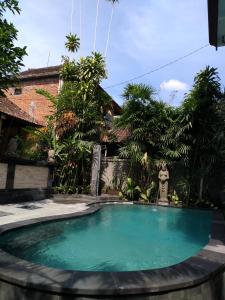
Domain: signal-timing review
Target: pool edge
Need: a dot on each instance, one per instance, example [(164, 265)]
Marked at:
[(196, 270)]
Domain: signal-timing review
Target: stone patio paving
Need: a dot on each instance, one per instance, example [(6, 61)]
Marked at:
[(10, 213)]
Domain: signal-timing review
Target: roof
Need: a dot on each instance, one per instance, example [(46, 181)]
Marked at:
[(213, 14), (216, 12), (41, 72), (121, 134), (115, 136), (116, 108), (9, 108)]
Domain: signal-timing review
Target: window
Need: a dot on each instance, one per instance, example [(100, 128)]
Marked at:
[(17, 91)]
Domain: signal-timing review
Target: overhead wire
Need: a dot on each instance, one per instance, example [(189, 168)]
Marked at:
[(158, 68), (96, 24), (80, 5), (71, 16), (109, 29)]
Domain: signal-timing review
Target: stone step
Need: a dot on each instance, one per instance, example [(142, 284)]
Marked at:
[(73, 199)]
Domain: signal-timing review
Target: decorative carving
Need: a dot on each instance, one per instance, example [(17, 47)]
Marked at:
[(51, 156), (163, 184), (12, 147)]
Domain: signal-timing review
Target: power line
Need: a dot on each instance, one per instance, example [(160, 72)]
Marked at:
[(158, 68), (71, 16)]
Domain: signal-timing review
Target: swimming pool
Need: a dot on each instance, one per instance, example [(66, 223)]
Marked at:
[(117, 238), (28, 271)]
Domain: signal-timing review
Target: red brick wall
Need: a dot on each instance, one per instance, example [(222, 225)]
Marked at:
[(30, 101)]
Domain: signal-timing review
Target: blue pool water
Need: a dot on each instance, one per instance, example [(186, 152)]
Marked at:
[(116, 238)]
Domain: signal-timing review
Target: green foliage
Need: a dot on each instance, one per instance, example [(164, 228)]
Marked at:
[(73, 169), (89, 70), (204, 107), (192, 135), (11, 56), (46, 136), (175, 198), (78, 119), (113, 1), (148, 122), (72, 42), (130, 191), (150, 192)]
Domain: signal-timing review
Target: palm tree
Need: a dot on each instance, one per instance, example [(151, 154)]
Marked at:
[(113, 2), (72, 42), (202, 106), (147, 121)]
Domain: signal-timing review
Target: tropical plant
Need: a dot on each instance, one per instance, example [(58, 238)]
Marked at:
[(11, 56), (150, 192), (130, 191), (72, 42), (149, 123), (78, 119), (73, 170), (175, 198), (202, 106)]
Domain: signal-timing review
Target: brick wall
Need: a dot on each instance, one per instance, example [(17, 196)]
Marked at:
[(32, 103)]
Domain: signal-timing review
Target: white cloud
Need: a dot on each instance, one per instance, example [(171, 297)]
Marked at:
[(174, 84)]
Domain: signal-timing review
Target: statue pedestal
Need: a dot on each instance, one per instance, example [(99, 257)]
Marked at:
[(163, 202)]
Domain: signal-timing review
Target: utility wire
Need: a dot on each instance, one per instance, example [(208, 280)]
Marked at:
[(157, 69), (71, 16), (81, 16), (96, 24), (109, 29)]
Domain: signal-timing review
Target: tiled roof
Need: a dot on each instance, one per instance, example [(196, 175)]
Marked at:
[(40, 72), (9, 108), (115, 135), (121, 134)]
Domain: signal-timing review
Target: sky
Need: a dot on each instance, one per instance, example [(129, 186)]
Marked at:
[(145, 35)]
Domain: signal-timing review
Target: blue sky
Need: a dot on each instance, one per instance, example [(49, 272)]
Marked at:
[(145, 35)]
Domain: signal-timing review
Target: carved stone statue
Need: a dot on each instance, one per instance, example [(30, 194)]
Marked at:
[(51, 156), (163, 184), (12, 147)]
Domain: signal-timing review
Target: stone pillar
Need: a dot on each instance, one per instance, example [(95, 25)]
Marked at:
[(95, 170)]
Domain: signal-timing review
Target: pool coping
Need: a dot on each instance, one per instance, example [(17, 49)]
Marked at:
[(196, 270)]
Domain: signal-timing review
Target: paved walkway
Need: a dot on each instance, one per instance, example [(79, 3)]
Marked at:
[(10, 213)]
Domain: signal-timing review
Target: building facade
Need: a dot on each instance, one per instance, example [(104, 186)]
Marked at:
[(24, 95)]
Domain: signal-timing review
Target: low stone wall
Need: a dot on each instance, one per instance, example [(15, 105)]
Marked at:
[(213, 289), (24, 180), (30, 177)]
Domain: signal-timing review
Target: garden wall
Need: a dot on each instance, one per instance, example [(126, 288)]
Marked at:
[(24, 180), (113, 172)]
